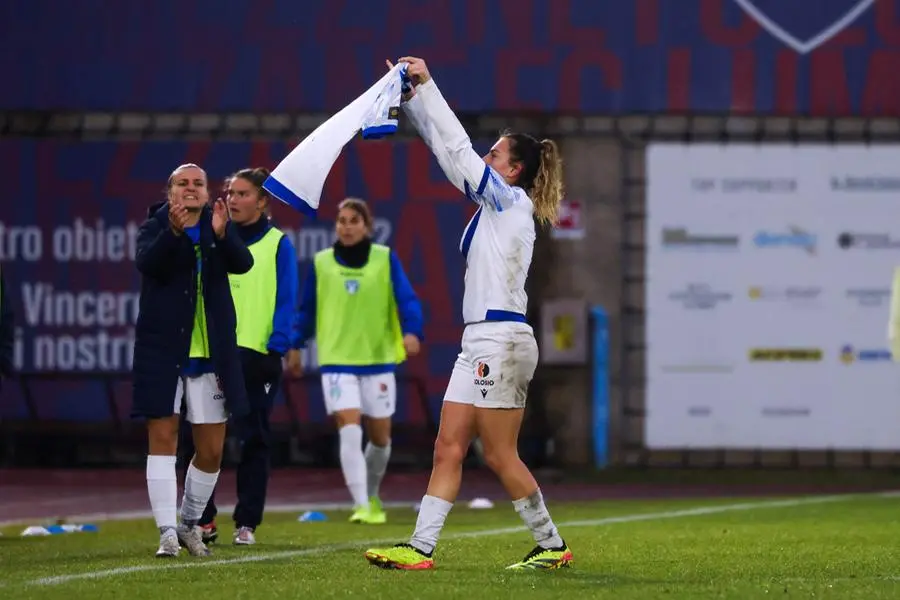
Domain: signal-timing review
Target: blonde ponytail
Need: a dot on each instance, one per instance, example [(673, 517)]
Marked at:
[(547, 192)]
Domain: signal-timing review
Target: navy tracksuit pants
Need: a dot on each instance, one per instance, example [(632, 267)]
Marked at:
[(254, 433)]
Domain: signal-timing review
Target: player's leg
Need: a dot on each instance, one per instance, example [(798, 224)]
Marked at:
[(206, 412), (450, 448), (498, 416), (162, 481), (379, 402), (207, 524), (342, 401), (254, 466)]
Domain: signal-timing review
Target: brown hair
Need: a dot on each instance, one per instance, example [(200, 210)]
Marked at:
[(541, 175), (360, 207), (257, 177)]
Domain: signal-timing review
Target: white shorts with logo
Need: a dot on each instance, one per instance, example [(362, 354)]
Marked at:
[(495, 367), (203, 397), (373, 395)]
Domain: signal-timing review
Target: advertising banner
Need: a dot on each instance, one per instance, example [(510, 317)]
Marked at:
[(769, 272)]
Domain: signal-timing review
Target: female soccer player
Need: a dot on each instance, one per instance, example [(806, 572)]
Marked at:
[(366, 319), (185, 347), (265, 300), (519, 179)]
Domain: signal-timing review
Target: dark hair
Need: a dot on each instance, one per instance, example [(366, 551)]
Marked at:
[(541, 175), (257, 177), (360, 207)]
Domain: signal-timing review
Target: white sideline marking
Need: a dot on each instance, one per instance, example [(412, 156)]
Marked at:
[(675, 514), (130, 515)]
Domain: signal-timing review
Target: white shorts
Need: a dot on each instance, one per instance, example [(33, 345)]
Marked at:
[(203, 397), (495, 366), (373, 395)]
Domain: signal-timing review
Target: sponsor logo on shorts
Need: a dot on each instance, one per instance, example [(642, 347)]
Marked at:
[(482, 378)]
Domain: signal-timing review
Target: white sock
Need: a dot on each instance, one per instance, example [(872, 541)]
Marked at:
[(377, 458), (432, 514), (198, 487), (537, 518), (162, 487), (353, 463)]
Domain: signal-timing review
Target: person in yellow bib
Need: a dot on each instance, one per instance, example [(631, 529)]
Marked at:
[(265, 301), (366, 319)]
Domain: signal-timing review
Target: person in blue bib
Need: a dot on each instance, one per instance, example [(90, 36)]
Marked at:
[(265, 299), (366, 319), (185, 350)]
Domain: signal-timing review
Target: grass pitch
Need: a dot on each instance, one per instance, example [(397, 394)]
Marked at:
[(808, 547)]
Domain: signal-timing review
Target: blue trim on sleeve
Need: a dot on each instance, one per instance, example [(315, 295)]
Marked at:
[(497, 206), (287, 281), (470, 233), (305, 325), (408, 305), (484, 179), (281, 191), (468, 191), (377, 132)]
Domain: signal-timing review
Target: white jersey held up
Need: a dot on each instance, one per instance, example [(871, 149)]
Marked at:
[(499, 240), (499, 353)]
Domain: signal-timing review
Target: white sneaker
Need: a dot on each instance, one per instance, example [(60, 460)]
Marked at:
[(190, 538), (244, 537), (168, 544)]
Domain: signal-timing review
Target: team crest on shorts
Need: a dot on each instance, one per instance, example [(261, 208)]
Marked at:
[(334, 386), (352, 286)]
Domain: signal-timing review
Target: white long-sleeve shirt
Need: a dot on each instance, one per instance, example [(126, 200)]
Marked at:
[(498, 242)]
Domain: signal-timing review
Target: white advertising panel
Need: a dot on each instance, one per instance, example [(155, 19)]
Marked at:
[(768, 291)]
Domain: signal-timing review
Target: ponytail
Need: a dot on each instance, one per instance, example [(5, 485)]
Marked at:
[(547, 192)]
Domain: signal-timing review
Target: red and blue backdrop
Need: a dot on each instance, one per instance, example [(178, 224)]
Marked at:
[(822, 57), (71, 208)]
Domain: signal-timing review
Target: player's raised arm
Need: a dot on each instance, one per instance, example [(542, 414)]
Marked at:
[(518, 180)]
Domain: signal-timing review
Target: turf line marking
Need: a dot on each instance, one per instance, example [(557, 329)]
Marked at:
[(633, 518), (131, 515)]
